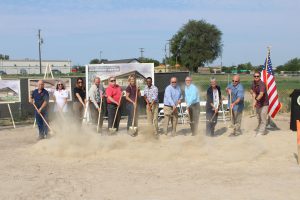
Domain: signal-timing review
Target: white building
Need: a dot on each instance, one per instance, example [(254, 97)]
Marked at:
[(28, 66)]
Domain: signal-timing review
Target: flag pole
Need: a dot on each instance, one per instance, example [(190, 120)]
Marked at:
[(266, 67)]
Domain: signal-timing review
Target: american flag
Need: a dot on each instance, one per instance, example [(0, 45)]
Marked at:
[(267, 76)]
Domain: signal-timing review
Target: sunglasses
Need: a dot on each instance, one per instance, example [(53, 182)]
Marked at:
[(256, 76), (235, 81), (112, 80), (174, 82)]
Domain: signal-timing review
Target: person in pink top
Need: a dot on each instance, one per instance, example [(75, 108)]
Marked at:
[(114, 93)]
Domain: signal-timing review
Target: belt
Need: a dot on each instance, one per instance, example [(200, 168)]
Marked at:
[(168, 106)]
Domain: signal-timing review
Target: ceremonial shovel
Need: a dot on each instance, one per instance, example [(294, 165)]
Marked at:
[(132, 128), (42, 118), (113, 129), (99, 115)]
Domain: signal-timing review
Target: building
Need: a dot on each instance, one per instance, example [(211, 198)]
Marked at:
[(28, 66), (122, 79)]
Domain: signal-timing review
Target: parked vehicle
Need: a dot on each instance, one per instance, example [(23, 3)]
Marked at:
[(56, 71), (2, 73)]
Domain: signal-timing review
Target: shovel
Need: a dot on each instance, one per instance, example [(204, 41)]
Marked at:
[(112, 130), (99, 115), (42, 118), (132, 128), (211, 120), (230, 99)]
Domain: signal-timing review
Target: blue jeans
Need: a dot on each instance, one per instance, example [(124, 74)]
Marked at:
[(43, 128), (130, 110)]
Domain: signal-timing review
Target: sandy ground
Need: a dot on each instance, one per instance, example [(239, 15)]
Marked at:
[(86, 165)]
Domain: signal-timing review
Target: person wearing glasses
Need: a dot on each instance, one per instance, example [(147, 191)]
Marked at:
[(260, 102), (172, 98), (235, 90), (96, 97), (151, 98), (79, 100), (213, 103), (114, 95), (40, 97), (192, 100), (60, 98)]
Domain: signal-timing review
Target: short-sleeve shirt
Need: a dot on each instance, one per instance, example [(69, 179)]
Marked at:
[(151, 93), (40, 97), (113, 92), (60, 97), (257, 88), (81, 93), (131, 89), (237, 92)]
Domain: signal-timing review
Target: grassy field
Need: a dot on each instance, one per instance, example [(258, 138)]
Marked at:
[(285, 86)]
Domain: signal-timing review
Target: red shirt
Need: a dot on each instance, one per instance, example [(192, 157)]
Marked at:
[(115, 92)]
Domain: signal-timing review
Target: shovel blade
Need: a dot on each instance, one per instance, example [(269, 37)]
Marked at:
[(132, 130), (112, 130)]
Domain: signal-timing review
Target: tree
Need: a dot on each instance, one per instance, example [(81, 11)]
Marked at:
[(291, 65), (149, 60), (95, 61), (196, 43)]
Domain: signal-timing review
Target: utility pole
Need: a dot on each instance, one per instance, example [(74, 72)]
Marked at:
[(40, 54), (100, 57), (142, 51)]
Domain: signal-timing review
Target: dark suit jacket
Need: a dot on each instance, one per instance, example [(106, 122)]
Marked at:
[(210, 98)]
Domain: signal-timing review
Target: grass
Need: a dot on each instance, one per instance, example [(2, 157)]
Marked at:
[(285, 86)]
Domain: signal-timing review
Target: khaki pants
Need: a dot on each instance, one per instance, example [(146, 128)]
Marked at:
[(236, 122), (262, 116), (169, 115), (152, 116)]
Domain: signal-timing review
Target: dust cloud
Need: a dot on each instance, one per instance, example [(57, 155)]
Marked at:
[(84, 142)]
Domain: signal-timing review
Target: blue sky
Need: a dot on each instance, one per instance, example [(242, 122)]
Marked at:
[(80, 29)]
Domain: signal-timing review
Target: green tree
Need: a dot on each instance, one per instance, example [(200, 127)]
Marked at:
[(196, 43), (291, 65), (95, 61), (149, 60)]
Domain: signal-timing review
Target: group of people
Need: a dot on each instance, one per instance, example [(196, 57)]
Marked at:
[(108, 100)]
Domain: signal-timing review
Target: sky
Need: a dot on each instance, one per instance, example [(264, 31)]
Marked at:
[(79, 29)]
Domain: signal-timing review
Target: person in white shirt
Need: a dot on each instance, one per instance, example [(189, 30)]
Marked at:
[(60, 98)]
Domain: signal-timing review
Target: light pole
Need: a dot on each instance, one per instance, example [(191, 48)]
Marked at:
[(40, 54)]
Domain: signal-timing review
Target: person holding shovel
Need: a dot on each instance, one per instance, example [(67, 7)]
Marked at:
[(260, 102), (114, 97), (235, 90), (79, 101), (132, 94), (213, 103), (40, 99), (96, 94), (172, 98), (151, 98), (192, 100), (60, 98)]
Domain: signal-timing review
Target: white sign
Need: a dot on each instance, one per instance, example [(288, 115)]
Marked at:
[(121, 72)]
